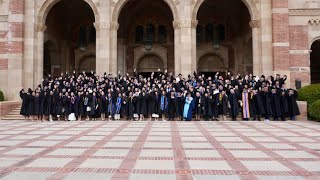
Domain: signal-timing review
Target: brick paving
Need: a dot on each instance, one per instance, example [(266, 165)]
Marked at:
[(159, 150)]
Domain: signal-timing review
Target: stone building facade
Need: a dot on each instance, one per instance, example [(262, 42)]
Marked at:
[(38, 37)]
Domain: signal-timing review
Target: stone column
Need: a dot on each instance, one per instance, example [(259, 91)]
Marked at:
[(255, 25), (38, 65), (102, 48), (185, 56), (114, 26)]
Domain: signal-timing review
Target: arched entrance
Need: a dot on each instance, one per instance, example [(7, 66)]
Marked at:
[(150, 63), (209, 64), (70, 26), (315, 62), (224, 29), (145, 27)]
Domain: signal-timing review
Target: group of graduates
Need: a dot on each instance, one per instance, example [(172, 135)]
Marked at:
[(161, 95)]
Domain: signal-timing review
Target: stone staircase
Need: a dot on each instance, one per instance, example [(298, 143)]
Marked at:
[(13, 115)]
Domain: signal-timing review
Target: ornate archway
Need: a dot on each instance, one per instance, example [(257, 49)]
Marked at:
[(315, 62), (48, 4), (211, 63), (222, 25), (249, 3), (150, 63), (148, 30), (119, 5)]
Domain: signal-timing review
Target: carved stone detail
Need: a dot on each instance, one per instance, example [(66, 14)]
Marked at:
[(304, 12), (254, 24), (40, 27), (314, 21), (106, 25), (185, 24), (3, 18)]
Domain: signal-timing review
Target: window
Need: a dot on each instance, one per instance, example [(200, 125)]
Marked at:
[(209, 32), (162, 34), (199, 34), (139, 34), (220, 30), (150, 33)]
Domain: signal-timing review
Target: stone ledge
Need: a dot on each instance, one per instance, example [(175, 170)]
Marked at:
[(303, 107), (7, 106)]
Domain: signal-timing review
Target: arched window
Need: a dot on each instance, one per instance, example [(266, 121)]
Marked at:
[(209, 32), (150, 33), (82, 37), (92, 37), (162, 34), (139, 34), (199, 34), (220, 30)]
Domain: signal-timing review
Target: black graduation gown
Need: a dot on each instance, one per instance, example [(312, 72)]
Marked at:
[(143, 105), (198, 105), (42, 104), (275, 105), (58, 106), (123, 110), (25, 103), (233, 100), (66, 105), (293, 105), (223, 105), (284, 105), (138, 104), (215, 105), (256, 105), (152, 102), (266, 103), (37, 104), (172, 107), (130, 108), (48, 104), (94, 106), (102, 104), (207, 110), (180, 105)]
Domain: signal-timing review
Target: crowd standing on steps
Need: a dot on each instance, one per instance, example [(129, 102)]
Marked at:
[(160, 96)]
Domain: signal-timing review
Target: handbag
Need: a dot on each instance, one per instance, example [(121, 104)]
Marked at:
[(117, 116), (72, 117), (88, 108), (155, 115), (135, 115)]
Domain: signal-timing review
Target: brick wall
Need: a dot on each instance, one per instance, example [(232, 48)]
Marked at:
[(299, 55), (280, 30)]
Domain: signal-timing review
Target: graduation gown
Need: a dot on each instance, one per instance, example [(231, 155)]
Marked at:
[(198, 105), (48, 104), (189, 105), (180, 104), (25, 102), (207, 110), (37, 104), (215, 105), (58, 106), (234, 108), (275, 105), (284, 105), (293, 105), (266, 103), (256, 105), (130, 108), (143, 105), (172, 107), (223, 105)]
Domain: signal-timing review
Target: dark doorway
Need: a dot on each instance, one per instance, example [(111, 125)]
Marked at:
[(315, 62)]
